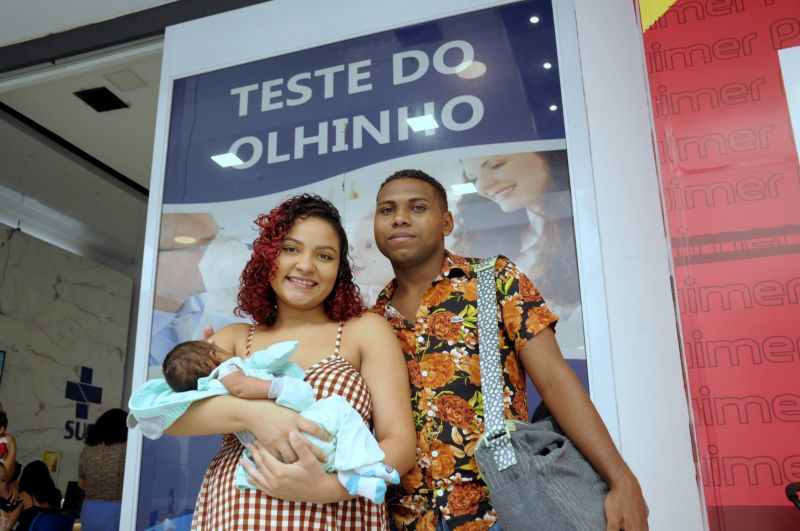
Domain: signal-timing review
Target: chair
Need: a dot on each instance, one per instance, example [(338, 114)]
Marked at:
[(791, 493), (53, 522)]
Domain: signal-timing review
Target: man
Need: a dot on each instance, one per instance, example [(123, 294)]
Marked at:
[(431, 304)]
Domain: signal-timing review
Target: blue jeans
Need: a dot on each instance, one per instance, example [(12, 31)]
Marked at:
[(442, 526), (100, 515)]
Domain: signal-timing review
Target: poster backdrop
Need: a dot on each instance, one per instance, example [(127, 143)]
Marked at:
[(473, 100), (731, 189)]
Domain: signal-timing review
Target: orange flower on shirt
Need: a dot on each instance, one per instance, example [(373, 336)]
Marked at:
[(428, 522), (512, 314), (477, 525), (536, 322), (473, 369), (413, 373), (408, 340), (514, 371), (436, 369), (437, 294), (464, 499), (471, 290), (442, 326), (520, 406), (412, 479), (528, 290), (455, 410), (443, 460)]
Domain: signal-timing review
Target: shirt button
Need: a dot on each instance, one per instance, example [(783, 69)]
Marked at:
[(440, 492), (424, 373), (430, 413), (435, 453), (420, 339)]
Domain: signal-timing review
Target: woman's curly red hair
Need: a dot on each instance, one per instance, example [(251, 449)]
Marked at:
[(256, 297)]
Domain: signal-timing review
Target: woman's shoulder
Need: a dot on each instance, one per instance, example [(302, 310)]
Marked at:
[(366, 323)]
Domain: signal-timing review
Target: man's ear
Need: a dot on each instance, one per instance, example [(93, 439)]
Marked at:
[(447, 223)]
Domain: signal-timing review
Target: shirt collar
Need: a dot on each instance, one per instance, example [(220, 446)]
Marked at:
[(453, 265)]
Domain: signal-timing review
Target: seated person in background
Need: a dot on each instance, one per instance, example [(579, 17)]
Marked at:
[(196, 369), (38, 493), (8, 447), (8, 499), (101, 470)]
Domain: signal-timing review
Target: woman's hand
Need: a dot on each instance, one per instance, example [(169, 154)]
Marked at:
[(302, 480), (274, 434)]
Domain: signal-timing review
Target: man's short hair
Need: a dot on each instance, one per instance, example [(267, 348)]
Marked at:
[(420, 175)]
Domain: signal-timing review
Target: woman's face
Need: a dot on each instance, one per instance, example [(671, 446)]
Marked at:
[(308, 264), (512, 181)]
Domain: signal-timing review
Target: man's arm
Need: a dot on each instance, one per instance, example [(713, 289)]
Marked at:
[(568, 401)]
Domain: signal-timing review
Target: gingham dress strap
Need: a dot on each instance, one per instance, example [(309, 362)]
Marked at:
[(338, 339), (495, 434), (250, 340)]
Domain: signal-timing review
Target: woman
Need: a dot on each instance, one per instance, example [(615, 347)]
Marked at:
[(298, 285), (38, 493), (534, 186), (524, 206), (101, 470)]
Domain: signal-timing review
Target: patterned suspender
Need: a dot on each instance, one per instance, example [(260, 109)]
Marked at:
[(250, 340), (495, 434), (338, 338)]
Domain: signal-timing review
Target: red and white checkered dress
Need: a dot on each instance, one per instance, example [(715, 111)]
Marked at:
[(222, 506)]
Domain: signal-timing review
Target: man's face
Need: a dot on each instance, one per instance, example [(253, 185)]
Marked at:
[(410, 222)]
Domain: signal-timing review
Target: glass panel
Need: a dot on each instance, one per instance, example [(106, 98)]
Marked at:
[(473, 100)]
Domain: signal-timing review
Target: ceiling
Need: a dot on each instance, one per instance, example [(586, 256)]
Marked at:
[(71, 176), (50, 177)]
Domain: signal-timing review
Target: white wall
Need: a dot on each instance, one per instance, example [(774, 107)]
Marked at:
[(651, 403), (58, 312)]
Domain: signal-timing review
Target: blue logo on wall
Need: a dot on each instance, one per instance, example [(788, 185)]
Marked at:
[(84, 393)]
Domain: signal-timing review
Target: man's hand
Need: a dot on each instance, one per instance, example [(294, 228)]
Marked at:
[(625, 508), (302, 480)]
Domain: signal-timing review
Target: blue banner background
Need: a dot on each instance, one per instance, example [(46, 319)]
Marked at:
[(516, 92)]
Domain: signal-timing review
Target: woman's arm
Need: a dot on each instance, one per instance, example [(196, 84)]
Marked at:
[(10, 460), (271, 424), (386, 374), (567, 400), (27, 503), (384, 371)]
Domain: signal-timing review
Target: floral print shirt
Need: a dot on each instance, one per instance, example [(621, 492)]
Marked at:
[(441, 353)]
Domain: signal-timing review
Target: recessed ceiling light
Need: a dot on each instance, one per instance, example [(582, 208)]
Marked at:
[(463, 188), (534, 19), (125, 80), (475, 69), (226, 160), (422, 123), (553, 107), (547, 66), (185, 240)]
